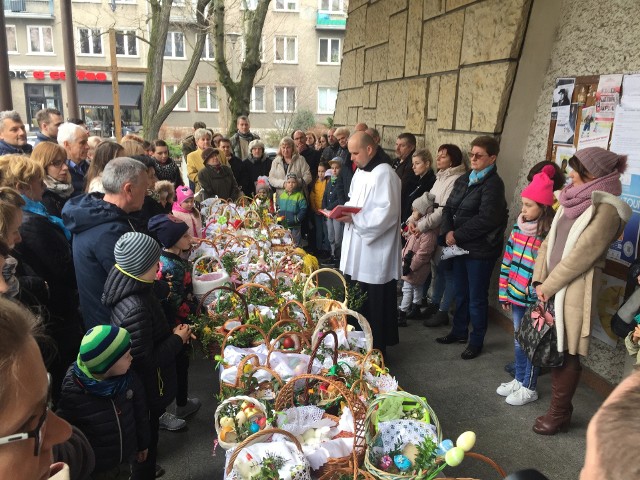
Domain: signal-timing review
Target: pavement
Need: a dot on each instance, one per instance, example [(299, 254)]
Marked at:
[(461, 392)]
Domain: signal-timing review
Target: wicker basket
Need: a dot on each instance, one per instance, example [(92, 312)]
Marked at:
[(370, 432), (285, 314), (484, 459), (262, 387), (240, 398), (338, 473), (286, 399), (312, 288), (241, 328), (202, 283), (245, 287), (256, 438), (336, 320), (209, 297)]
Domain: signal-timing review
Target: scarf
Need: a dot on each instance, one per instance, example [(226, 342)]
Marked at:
[(529, 228), (107, 388), (9, 275), (180, 208), (39, 209), (577, 198), (476, 177), (61, 189), (246, 136)]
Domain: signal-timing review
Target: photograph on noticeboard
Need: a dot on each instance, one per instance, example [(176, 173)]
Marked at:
[(566, 125), (595, 129), (562, 94)]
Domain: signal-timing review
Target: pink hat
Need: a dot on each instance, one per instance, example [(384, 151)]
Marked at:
[(183, 193), (540, 189)]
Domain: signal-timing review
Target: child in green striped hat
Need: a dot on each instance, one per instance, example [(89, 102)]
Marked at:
[(105, 399)]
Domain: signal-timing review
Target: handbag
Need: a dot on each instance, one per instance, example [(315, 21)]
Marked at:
[(538, 337)]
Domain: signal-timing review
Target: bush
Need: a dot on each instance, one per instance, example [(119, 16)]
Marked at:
[(175, 150), (303, 120)]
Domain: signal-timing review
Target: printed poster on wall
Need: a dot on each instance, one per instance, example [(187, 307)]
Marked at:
[(625, 249), (610, 298), (566, 125), (562, 97), (608, 95), (594, 130), (563, 154)]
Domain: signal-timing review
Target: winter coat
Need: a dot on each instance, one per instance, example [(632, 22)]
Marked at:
[(188, 145), (78, 173), (168, 171), (477, 215), (116, 427), (422, 245), (516, 271), (240, 144), (416, 189), (441, 190), (53, 202), (220, 183), (194, 222), (41, 137), (96, 226), (154, 347), (49, 255), (575, 280), (194, 165), (278, 174), (252, 168), (235, 164), (176, 272), (344, 179), (332, 194), (150, 208), (312, 158), (6, 149), (330, 152), (293, 207), (317, 194)]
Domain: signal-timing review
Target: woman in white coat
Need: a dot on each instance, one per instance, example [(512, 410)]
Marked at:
[(450, 165), (289, 161)]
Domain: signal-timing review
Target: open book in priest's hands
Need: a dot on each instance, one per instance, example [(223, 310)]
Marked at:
[(340, 211)]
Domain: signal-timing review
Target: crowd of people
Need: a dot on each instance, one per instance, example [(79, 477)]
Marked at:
[(94, 236)]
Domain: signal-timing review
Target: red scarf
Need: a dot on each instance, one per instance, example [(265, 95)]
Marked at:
[(576, 199)]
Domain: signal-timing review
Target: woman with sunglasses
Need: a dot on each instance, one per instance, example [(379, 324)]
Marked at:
[(28, 429)]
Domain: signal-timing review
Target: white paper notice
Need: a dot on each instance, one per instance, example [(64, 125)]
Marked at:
[(625, 139), (631, 92)]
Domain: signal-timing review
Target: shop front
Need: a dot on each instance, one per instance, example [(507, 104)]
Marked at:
[(96, 107)]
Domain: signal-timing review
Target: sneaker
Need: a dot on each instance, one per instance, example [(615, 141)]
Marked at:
[(414, 311), (470, 352), (437, 320), (159, 471), (522, 396), (192, 406), (506, 389), (452, 251), (168, 421)]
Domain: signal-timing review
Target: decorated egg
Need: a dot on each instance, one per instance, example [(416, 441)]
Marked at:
[(385, 463), (454, 456), (241, 417), (222, 220), (254, 427), (444, 447), (466, 441), (262, 421), (226, 422), (402, 462), (411, 452)]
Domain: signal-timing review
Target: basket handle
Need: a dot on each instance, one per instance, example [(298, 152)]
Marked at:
[(226, 289), (368, 356), (309, 283), (305, 312), (254, 438), (314, 352), (270, 292), (364, 324), (242, 327), (488, 461)]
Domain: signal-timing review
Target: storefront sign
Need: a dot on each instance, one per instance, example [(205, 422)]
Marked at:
[(81, 75)]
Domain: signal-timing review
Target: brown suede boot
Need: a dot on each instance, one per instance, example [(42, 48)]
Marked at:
[(564, 381)]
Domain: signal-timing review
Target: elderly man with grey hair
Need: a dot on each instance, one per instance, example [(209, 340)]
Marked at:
[(97, 222), (75, 140), (257, 164), (13, 135)]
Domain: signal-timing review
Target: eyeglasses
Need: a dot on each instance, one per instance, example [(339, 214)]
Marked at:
[(477, 155), (38, 432), (57, 163)]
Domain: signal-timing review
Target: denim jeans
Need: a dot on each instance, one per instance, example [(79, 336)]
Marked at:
[(443, 291), (471, 279), (526, 373), (322, 237)]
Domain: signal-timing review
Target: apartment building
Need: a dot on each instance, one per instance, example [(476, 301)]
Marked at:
[(301, 53)]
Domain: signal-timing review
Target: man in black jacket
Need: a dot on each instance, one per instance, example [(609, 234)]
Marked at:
[(473, 223), (235, 163), (405, 148), (13, 135), (49, 120), (74, 138)]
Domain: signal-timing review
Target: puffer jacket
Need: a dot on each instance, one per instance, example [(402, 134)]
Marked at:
[(477, 215), (154, 347), (441, 190), (116, 427)]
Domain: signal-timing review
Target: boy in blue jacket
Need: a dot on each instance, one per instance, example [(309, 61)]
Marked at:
[(293, 206)]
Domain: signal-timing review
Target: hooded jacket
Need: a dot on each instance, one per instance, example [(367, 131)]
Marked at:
[(116, 427), (154, 347), (477, 215), (96, 226)]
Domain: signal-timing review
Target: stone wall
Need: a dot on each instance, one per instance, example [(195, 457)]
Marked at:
[(441, 69)]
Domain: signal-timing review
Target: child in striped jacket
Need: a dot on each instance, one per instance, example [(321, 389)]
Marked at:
[(515, 291)]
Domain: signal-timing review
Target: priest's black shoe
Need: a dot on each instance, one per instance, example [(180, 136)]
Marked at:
[(470, 352), (447, 339)]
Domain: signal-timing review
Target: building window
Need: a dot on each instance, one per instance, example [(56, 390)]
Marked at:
[(286, 50), (40, 39), (257, 99), (208, 52), (287, 5), (329, 51), (12, 39), (174, 48), (285, 99), (331, 6), (327, 100), (248, 4), (90, 41), (39, 96), (182, 105), (126, 43), (208, 98)]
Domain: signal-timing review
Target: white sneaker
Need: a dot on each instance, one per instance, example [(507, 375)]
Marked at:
[(522, 396), (506, 389)]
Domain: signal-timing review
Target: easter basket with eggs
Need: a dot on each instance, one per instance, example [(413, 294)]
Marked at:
[(307, 390), (350, 341), (237, 418), (271, 454), (253, 380), (208, 273), (319, 298)]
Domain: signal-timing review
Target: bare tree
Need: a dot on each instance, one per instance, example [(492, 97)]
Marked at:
[(153, 115), (239, 92)]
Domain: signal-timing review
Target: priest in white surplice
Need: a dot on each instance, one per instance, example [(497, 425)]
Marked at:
[(371, 247)]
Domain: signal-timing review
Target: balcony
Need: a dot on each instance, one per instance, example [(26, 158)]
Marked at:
[(29, 9), (331, 21)]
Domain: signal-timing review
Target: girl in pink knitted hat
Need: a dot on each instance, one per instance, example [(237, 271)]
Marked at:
[(515, 291), (184, 209)]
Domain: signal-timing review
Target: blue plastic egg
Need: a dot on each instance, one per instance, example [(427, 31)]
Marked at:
[(444, 447), (402, 462), (254, 427)]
